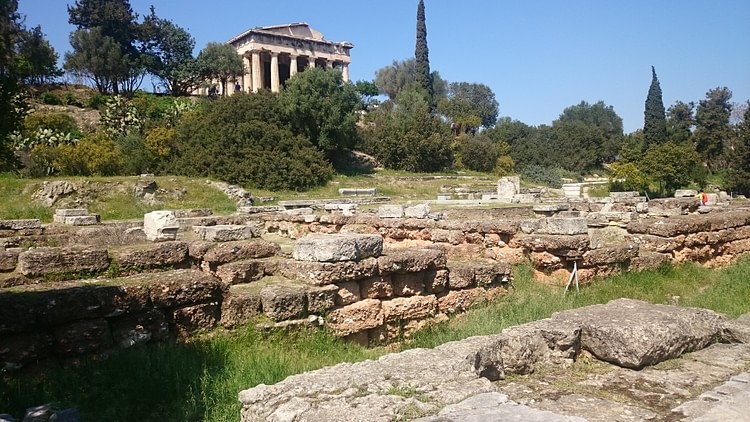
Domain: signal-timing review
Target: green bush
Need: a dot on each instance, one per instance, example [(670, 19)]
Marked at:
[(120, 117), (476, 153), (243, 140), (93, 155), (50, 98), (58, 122), (97, 101), (71, 99), (545, 175)]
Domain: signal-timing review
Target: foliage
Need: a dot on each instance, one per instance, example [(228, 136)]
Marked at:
[(221, 62), (242, 139), (672, 166), (12, 104), (422, 57), (470, 104), (587, 135), (94, 155), (508, 130), (712, 125), (475, 153), (58, 122), (545, 175), (367, 91), (401, 75), (50, 98), (627, 177), (98, 58), (739, 175), (120, 117), (171, 48), (403, 135), (537, 148), (680, 122), (654, 121), (321, 107), (38, 57), (633, 147)]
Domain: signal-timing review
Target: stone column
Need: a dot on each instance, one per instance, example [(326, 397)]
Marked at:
[(247, 78), (345, 71), (257, 81), (274, 72), (329, 64), (311, 62), (293, 66)]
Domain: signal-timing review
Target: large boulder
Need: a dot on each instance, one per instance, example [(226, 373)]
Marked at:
[(633, 334), (74, 259), (338, 247), (163, 254)]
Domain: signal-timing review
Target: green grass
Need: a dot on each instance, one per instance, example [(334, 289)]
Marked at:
[(199, 381), (15, 199)]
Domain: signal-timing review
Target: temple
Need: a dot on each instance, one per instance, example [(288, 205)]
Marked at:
[(273, 54)]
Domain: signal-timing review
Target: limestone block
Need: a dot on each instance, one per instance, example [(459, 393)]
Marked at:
[(240, 306), (321, 299), (9, 259), (376, 287), (417, 211), (160, 226), (647, 260), (610, 255), (607, 236), (550, 208), (391, 211), (222, 253), (20, 224), (245, 271), (338, 247), (164, 254), (712, 199), (672, 206), (685, 193), (176, 288), (74, 259), (619, 195), (226, 232), (436, 281), (131, 329), (81, 337), (61, 213), (298, 211), (566, 226), (20, 349), (408, 308), (545, 261), (408, 284), (283, 300), (347, 293), (459, 300), (508, 186), (82, 220), (194, 318), (633, 334), (411, 261), (555, 244), (322, 273), (737, 330), (357, 317), (530, 226), (197, 250)]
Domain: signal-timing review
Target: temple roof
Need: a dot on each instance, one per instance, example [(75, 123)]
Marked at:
[(300, 30)]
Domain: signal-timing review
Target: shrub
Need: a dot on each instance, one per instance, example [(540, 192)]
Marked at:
[(627, 177), (120, 117), (97, 101), (137, 159), (546, 175), (58, 122), (71, 99), (504, 166), (50, 98), (93, 155), (476, 153)]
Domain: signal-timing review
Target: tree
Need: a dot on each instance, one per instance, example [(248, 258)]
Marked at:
[(401, 75), (508, 130), (654, 121), (422, 56), (321, 107), (11, 104), (98, 58), (221, 62), (739, 175), (672, 165), (680, 122), (39, 58), (470, 104), (367, 91), (712, 125), (171, 48), (593, 132)]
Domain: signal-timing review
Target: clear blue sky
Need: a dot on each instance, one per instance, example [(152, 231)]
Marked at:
[(538, 56)]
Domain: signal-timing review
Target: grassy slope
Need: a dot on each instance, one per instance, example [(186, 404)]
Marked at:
[(199, 381)]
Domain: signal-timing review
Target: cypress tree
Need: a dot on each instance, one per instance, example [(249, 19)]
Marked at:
[(422, 55), (655, 122)]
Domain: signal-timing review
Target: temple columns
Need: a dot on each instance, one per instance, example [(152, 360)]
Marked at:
[(274, 72), (345, 71), (257, 81), (293, 66), (247, 78)]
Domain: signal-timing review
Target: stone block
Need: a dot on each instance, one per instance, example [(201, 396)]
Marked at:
[(226, 233), (190, 319), (9, 259), (160, 226), (627, 194), (245, 271), (610, 255), (283, 300), (508, 186), (408, 308), (566, 226), (355, 318), (408, 284), (298, 211), (338, 247), (685, 193), (164, 254), (20, 349), (322, 273), (411, 261), (74, 259), (20, 224), (347, 293), (436, 281), (224, 252), (391, 211), (177, 288), (321, 299), (80, 337), (459, 300), (417, 211), (81, 220), (194, 212), (62, 213), (241, 305), (376, 287)]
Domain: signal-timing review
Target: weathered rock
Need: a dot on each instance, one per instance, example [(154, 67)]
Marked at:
[(647, 260), (322, 273), (61, 213), (685, 193), (178, 288), (51, 192), (391, 211), (566, 226), (321, 299), (726, 402), (240, 306), (667, 207), (464, 274), (347, 293), (417, 211), (555, 244), (160, 226), (9, 259), (73, 259), (246, 271), (85, 336), (634, 334), (408, 308), (194, 318), (610, 255), (131, 329), (459, 300), (737, 330), (164, 254), (235, 251), (20, 349), (376, 287), (283, 299), (408, 284), (357, 317), (411, 261), (338, 247), (226, 232)]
